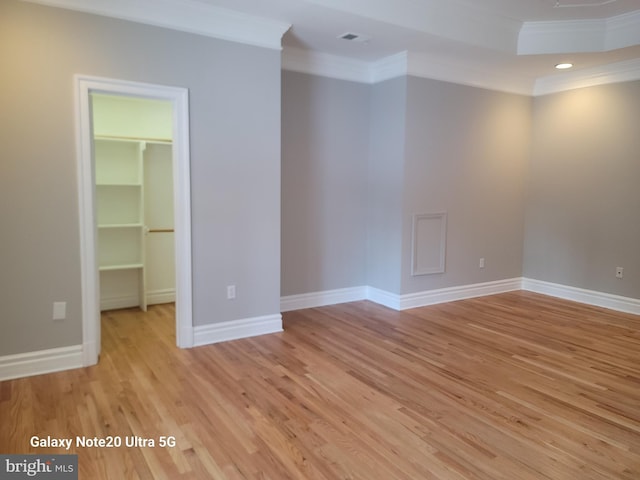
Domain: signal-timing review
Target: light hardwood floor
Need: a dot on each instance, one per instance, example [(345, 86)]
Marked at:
[(515, 386)]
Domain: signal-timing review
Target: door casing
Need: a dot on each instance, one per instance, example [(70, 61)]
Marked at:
[(179, 97)]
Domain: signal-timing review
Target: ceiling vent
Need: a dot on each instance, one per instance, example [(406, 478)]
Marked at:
[(354, 37)]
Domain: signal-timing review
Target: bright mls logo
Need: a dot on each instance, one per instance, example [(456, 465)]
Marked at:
[(52, 467)]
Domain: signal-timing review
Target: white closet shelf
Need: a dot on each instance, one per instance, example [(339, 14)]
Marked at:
[(129, 266), (118, 184), (120, 225), (160, 141)]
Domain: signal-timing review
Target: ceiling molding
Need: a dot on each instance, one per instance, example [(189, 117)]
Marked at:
[(589, 77), (463, 74), (623, 31), (580, 36), (400, 64), (187, 16), (389, 67), (325, 65), (562, 37), (407, 63), (199, 17)]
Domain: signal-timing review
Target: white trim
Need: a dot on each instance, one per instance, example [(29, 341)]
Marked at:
[(182, 216), (470, 73), (165, 295), (89, 274), (84, 85), (320, 299), (187, 16), (533, 38), (382, 297), (396, 301), (626, 71), (325, 65), (450, 294), (120, 301), (462, 292), (389, 67), (416, 269), (400, 65), (573, 36), (43, 361), (590, 297), (623, 30), (580, 36), (236, 329)]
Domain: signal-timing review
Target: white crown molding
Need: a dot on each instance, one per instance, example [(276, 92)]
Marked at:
[(613, 73), (579, 36), (325, 65), (187, 16), (464, 74), (623, 31), (406, 63), (389, 67), (535, 38), (400, 64), (575, 36)]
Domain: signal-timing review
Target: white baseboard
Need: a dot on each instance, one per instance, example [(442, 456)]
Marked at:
[(42, 361), (235, 329), (127, 301), (320, 299), (590, 297), (116, 303), (395, 301), (382, 297), (167, 295), (462, 292), (442, 295)]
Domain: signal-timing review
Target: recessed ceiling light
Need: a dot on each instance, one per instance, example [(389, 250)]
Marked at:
[(564, 66)]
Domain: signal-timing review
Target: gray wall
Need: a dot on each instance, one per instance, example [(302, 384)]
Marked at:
[(385, 177), (433, 146), (583, 208), (235, 153), (325, 134), (466, 154)]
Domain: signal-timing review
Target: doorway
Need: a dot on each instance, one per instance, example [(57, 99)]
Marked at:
[(88, 192), (132, 140)]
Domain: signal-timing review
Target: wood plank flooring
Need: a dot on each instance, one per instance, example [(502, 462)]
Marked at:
[(516, 386)]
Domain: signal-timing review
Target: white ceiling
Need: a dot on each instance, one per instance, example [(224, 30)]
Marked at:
[(509, 45), (506, 44)]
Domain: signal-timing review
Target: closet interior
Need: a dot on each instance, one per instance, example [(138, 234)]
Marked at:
[(134, 200)]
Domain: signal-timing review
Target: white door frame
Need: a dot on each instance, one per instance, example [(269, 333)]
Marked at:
[(179, 97)]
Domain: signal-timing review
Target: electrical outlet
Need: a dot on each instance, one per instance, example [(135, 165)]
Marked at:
[(481, 264), (231, 292), (619, 272), (59, 310)]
